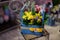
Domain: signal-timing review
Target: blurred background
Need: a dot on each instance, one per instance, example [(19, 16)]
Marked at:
[(10, 18)]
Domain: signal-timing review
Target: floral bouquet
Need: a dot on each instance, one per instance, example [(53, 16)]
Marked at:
[(31, 20)]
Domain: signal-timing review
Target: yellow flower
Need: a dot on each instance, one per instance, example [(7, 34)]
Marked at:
[(34, 16), (39, 20), (37, 14), (30, 17), (40, 17), (30, 13), (26, 12), (24, 16)]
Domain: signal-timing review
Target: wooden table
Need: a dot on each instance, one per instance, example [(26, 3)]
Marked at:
[(32, 37)]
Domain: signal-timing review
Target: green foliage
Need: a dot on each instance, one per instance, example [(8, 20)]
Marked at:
[(56, 2)]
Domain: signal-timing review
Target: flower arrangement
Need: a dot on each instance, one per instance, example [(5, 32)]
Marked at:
[(32, 17)]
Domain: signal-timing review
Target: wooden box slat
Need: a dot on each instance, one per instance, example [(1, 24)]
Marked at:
[(30, 37)]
